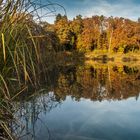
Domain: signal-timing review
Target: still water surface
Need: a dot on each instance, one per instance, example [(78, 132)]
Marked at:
[(84, 102)]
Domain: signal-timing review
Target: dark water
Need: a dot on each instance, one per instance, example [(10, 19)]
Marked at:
[(88, 102)]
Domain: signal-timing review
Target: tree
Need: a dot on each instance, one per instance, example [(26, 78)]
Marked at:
[(63, 31)]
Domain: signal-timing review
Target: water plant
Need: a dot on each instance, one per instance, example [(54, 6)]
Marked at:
[(22, 41)]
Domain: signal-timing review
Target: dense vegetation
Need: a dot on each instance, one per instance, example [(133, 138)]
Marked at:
[(23, 47), (97, 33)]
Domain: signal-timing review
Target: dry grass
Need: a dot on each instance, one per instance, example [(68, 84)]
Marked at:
[(21, 60)]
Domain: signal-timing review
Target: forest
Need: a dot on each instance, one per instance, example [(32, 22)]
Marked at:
[(105, 34)]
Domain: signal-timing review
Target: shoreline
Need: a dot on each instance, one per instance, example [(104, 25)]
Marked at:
[(118, 57)]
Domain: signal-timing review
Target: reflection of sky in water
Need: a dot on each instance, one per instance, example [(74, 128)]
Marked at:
[(88, 120), (66, 119)]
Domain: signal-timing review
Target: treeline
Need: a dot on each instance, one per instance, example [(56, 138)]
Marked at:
[(96, 33)]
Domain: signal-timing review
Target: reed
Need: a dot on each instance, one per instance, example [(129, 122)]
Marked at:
[(21, 60)]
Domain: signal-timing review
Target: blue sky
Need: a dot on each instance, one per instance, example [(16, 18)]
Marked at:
[(87, 8)]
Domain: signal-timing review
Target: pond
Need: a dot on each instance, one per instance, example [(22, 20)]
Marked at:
[(83, 102)]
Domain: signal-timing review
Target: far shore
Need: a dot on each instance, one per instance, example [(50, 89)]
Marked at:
[(130, 59), (114, 57)]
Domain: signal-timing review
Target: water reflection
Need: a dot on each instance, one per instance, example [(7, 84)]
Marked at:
[(98, 83), (85, 102)]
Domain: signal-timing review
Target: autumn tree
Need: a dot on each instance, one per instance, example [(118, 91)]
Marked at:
[(63, 31), (87, 40), (98, 32), (76, 27)]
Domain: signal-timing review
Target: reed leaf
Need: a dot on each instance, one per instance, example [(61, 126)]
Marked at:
[(7, 94), (3, 46)]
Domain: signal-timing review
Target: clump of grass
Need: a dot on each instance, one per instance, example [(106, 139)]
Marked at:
[(22, 41)]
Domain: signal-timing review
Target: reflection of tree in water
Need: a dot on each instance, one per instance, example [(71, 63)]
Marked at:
[(108, 82), (97, 82), (89, 82)]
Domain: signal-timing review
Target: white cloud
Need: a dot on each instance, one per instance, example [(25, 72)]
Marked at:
[(122, 9), (88, 8)]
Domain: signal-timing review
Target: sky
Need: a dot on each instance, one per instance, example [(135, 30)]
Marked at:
[(87, 8)]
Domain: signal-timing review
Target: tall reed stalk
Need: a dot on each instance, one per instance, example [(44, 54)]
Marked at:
[(21, 60)]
